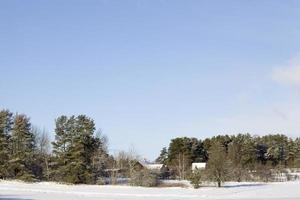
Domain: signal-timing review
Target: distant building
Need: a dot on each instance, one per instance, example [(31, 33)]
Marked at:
[(148, 165), (199, 165), (154, 166)]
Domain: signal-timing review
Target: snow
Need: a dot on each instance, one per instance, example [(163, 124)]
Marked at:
[(200, 165), (13, 190), (154, 166)]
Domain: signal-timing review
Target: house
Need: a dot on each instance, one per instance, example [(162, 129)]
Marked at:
[(147, 165), (198, 165)]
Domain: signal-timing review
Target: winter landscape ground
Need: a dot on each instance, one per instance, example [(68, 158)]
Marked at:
[(11, 190)]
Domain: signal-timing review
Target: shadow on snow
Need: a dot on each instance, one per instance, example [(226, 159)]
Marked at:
[(244, 185), (7, 197)]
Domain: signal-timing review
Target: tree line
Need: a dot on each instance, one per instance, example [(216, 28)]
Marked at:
[(239, 157), (78, 154)]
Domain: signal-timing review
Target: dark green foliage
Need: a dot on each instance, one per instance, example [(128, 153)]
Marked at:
[(182, 152), (5, 128), (74, 148), (80, 155), (60, 148), (277, 149), (163, 157), (22, 159), (243, 152), (191, 147), (197, 150)]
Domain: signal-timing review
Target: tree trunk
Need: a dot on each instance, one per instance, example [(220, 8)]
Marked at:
[(47, 167)]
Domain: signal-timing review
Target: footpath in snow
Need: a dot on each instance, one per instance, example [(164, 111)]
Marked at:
[(13, 190)]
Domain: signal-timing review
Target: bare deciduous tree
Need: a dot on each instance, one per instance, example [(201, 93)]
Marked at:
[(181, 165), (42, 141)]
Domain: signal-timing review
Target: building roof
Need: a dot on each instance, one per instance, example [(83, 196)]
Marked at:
[(151, 166)]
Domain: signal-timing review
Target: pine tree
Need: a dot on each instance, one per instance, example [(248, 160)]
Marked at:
[(180, 156), (60, 148), (82, 150), (5, 128), (23, 146), (74, 148)]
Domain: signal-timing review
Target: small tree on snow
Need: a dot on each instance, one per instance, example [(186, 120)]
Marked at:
[(218, 165)]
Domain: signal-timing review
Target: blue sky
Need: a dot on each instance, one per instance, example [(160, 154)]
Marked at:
[(148, 71)]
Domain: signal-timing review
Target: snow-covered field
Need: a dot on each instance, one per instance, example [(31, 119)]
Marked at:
[(12, 190)]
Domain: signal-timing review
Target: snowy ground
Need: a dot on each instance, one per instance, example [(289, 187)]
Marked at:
[(11, 190)]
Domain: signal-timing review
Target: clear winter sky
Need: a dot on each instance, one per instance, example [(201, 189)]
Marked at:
[(148, 71)]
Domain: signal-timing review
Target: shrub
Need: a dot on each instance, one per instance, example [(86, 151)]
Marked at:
[(263, 173), (144, 178), (196, 178), (101, 181)]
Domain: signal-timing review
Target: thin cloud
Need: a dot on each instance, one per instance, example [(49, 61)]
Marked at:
[(288, 74), (262, 122), (280, 113)]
